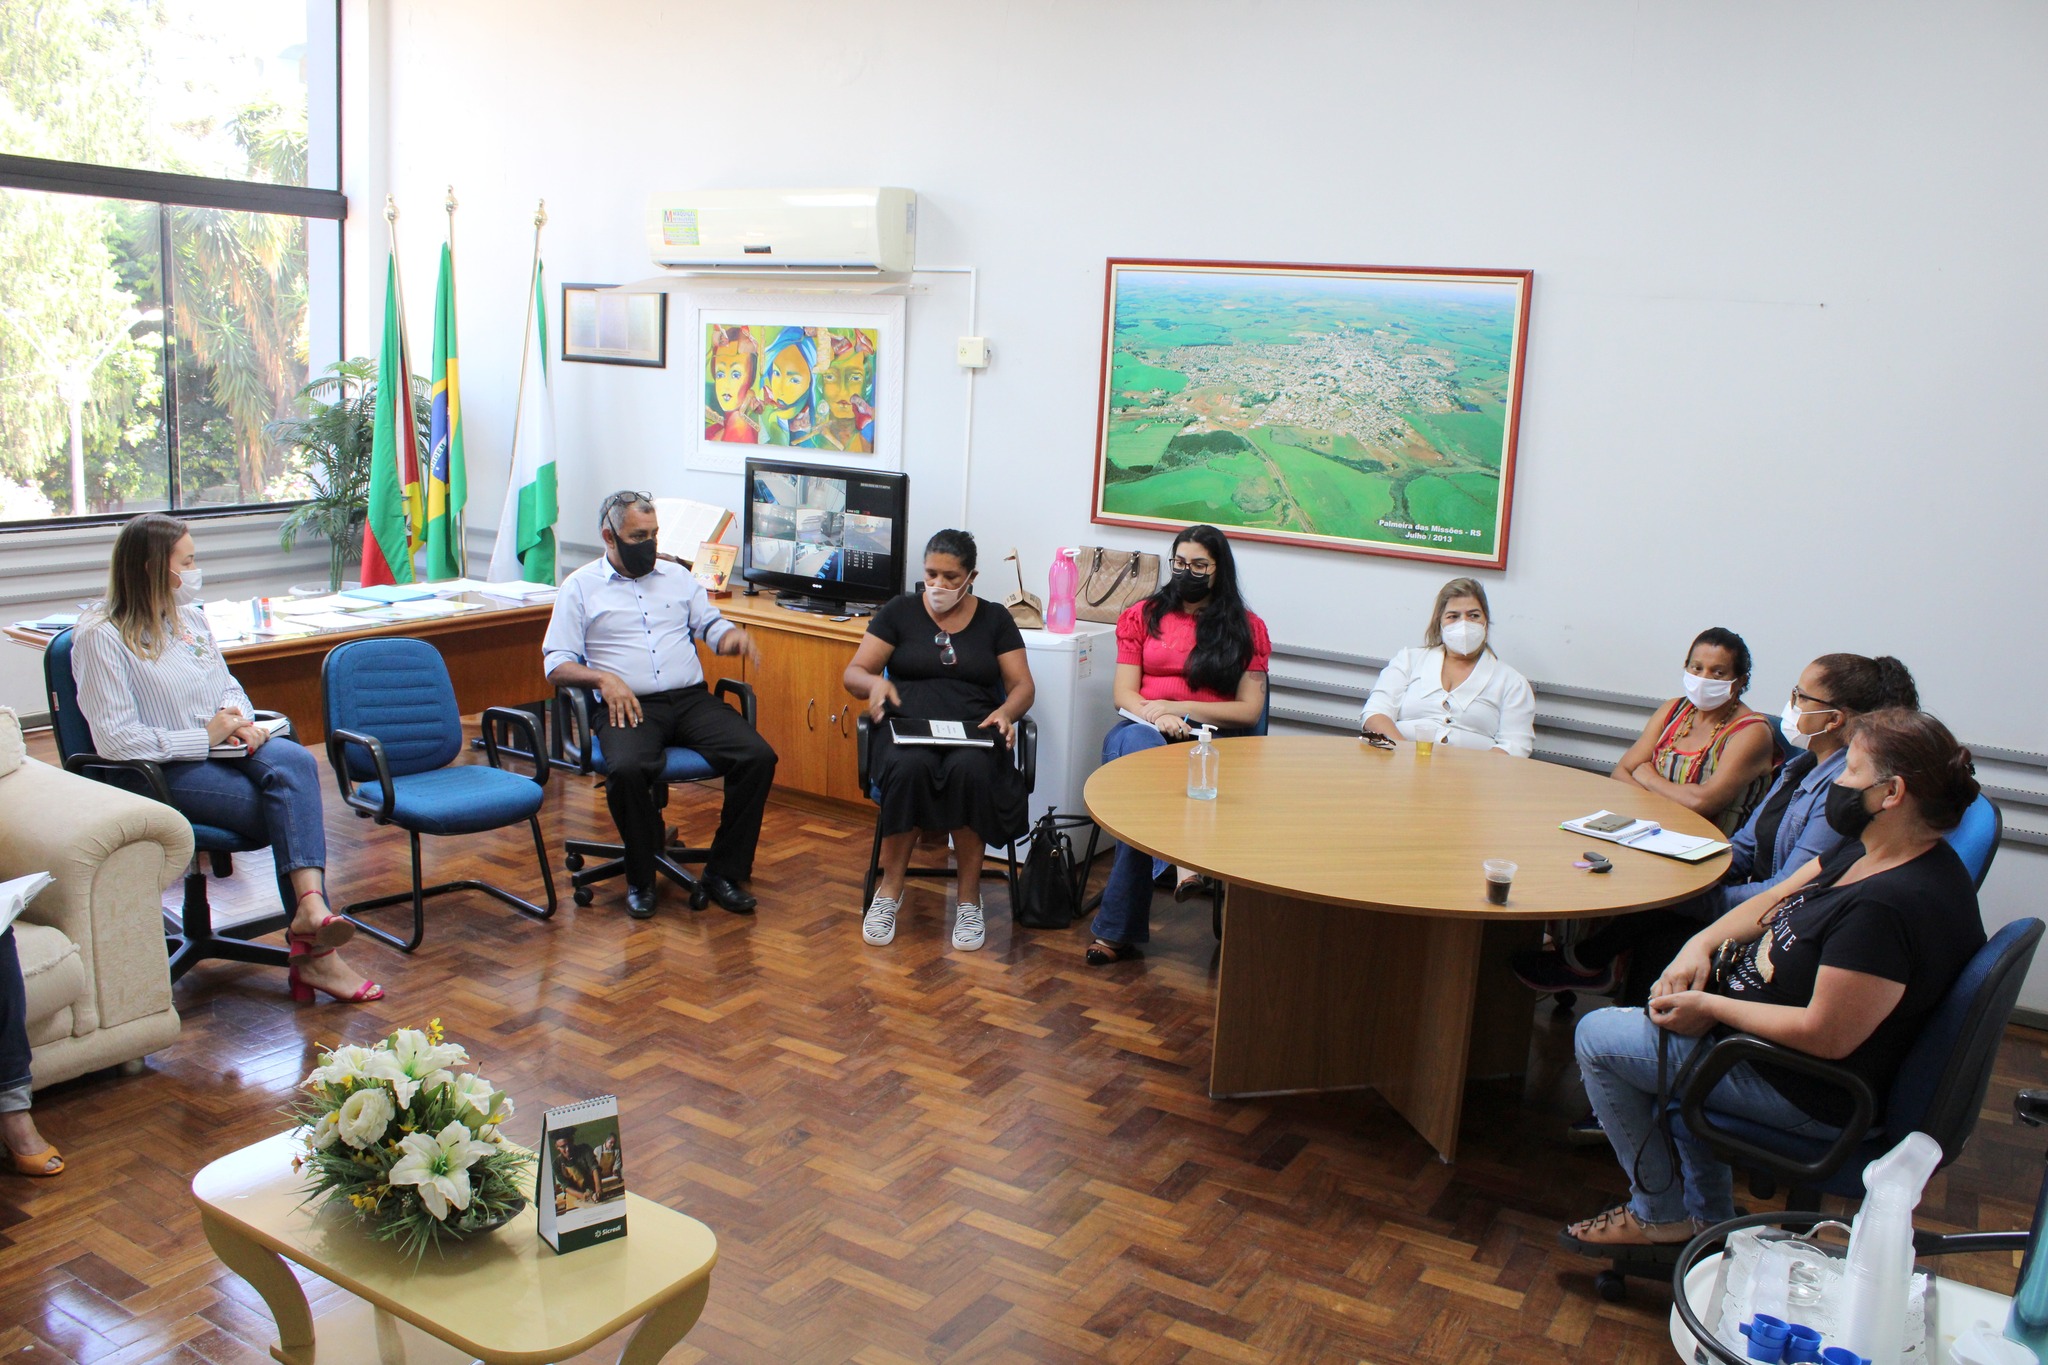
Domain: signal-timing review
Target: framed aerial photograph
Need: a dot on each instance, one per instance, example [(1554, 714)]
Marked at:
[(609, 328), (819, 379), (1359, 408)]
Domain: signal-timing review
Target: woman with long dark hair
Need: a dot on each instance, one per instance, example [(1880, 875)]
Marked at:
[(152, 684), (1188, 655)]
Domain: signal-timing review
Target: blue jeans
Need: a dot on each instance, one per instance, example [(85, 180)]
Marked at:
[(14, 1078), (1125, 915), (1618, 1059), (271, 797)]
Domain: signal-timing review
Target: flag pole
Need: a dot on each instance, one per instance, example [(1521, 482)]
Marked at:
[(540, 220), (455, 517)]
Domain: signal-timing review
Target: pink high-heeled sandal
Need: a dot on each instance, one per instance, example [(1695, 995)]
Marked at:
[(330, 933), (302, 989)]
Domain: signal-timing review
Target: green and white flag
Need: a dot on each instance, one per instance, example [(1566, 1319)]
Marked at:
[(526, 528)]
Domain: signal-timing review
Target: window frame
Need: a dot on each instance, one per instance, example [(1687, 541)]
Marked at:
[(166, 189)]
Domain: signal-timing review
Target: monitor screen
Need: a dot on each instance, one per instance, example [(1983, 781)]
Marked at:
[(826, 532)]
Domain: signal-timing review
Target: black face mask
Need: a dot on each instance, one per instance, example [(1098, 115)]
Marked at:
[(636, 557), (1846, 813), (1191, 587)]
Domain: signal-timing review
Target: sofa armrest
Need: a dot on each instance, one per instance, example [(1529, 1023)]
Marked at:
[(112, 854)]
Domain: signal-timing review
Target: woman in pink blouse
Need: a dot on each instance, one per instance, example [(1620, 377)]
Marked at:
[(1190, 654)]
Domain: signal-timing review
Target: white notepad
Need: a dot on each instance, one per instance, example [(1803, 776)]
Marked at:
[(1650, 837)]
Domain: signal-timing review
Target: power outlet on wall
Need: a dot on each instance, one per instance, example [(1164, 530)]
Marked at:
[(972, 352)]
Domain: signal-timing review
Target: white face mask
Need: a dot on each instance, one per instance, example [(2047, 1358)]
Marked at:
[(944, 600), (1708, 693), (1464, 637), (188, 585), (1789, 723)]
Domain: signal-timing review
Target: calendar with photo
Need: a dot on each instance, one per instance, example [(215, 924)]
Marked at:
[(580, 1193)]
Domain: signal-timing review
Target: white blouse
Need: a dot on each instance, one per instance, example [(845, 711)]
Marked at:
[(1494, 708), (152, 708)]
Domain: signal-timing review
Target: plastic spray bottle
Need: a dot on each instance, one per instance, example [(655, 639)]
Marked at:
[(1879, 1270), (1060, 585), (1202, 765)]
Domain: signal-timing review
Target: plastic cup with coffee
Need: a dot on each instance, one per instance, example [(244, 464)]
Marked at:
[(1500, 874)]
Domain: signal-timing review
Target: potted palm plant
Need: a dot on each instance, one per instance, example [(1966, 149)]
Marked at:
[(334, 436)]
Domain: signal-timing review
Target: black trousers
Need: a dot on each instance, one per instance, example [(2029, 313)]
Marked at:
[(694, 719), (14, 1057)]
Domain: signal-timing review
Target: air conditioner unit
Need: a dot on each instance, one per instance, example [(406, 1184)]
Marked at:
[(865, 231)]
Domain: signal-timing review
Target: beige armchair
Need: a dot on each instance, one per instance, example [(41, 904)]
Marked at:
[(92, 945)]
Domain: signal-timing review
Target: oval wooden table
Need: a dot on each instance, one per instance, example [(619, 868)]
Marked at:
[(1359, 949)]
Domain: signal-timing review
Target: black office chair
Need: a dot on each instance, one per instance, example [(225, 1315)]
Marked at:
[(1089, 906), (1024, 754), (577, 748), (194, 941), (1939, 1090)]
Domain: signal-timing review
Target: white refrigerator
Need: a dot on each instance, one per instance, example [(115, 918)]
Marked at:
[(1074, 674)]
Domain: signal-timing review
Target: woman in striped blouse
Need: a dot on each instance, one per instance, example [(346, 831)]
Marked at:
[(153, 685)]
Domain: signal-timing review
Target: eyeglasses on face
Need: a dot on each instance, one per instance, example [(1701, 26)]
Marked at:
[(945, 643), (1821, 702), (1200, 568)]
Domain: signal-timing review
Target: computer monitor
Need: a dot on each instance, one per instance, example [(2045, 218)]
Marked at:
[(825, 537)]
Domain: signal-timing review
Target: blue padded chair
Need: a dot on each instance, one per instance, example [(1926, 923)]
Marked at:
[(1976, 839), (1024, 754), (195, 940), (392, 733), (577, 748)]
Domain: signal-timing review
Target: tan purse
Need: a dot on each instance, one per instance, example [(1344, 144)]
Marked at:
[(1024, 608), (1112, 580)]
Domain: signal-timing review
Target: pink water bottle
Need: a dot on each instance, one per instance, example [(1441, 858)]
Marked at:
[(1059, 592)]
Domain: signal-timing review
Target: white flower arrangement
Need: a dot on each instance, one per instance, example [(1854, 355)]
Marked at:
[(408, 1141)]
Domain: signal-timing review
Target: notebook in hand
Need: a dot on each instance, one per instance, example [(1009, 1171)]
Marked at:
[(270, 722), (904, 730)]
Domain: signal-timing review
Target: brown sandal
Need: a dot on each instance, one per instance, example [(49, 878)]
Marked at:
[(37, 1164), (1102, 952)]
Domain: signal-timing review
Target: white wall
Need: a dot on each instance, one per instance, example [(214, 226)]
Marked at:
[(1785, 357)]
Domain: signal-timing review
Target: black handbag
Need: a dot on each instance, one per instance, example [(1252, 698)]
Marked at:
[(1049, 894)]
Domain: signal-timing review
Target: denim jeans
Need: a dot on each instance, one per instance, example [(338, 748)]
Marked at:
[(14, 1078), (1618, 1059), (1125, 915), (271, 797)]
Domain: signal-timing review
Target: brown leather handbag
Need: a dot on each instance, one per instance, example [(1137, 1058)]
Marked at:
[(1112, 580)]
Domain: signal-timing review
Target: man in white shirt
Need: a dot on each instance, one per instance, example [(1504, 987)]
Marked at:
[(626, 625)]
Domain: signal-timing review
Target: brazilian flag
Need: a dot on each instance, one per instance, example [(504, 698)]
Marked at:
[(447, 481)]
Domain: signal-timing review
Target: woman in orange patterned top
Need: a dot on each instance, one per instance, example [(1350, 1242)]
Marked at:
[(1706, 750)]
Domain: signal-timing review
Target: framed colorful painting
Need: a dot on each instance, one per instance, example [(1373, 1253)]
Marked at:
[(810, 380), (1358, 408)]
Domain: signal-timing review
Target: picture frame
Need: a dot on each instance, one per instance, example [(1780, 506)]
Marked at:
[(1368, 409), (794, 376), (604, 326)]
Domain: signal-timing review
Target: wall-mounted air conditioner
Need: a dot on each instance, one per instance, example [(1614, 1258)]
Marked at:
[(866, 231)]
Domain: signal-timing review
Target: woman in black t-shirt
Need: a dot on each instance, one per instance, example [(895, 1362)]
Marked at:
[(950, 657), (1844, 960)]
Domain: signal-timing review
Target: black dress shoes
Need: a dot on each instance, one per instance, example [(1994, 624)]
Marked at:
[(728, 896), (639, 903)]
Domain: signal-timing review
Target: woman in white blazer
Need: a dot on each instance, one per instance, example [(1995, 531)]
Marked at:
[(1454, 690)]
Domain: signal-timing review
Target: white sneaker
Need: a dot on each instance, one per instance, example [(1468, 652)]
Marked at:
[(969, 932), (878, 926)]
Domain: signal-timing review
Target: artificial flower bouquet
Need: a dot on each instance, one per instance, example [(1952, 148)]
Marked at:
[(410, 1142)]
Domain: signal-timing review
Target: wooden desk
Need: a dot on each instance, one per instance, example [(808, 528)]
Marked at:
[(1358, 946), (493, 659), (504, 1298)]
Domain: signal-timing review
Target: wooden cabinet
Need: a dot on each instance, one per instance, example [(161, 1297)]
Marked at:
[(802, 707)]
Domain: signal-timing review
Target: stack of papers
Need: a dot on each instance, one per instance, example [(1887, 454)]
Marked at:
[(18, 893), (391, 592), (315, 606), (454, 587), (1650, 837), (519, 592), (283, 630), (54, 622), (421, 611)]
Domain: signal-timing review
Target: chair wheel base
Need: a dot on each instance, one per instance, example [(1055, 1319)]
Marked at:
[(1565, 1001), (574, 862), (1611, 1285), (699, 898), (583, 895)]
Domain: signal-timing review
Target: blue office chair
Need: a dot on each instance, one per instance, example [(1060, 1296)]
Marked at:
[(577, 748), (1024, 754), (1088, 907), (1939, 1090), (195, 940), (392, 732), (1976, 839)]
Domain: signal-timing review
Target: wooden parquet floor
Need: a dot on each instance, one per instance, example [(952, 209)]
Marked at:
[(908, 1154)]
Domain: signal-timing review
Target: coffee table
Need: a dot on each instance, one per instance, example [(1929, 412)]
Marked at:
[(505, 1298), (1359, 949)]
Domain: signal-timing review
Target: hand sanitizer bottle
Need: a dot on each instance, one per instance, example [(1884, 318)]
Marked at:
[(1202, 765), (1880, 1263)]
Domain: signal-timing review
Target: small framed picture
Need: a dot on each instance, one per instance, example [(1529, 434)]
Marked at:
[(607, 328)]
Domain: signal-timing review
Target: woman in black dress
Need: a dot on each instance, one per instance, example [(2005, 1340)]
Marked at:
[(949, 656)]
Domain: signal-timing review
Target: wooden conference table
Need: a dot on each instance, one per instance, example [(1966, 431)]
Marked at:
[(1359, 949), (493, 657)]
